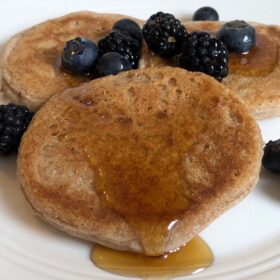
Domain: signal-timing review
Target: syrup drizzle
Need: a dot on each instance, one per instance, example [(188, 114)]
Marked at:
[(192, 258), (70, 80), (144, 180), (261, 60)]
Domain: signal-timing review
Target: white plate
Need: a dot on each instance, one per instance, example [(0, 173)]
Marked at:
[(245, 240)]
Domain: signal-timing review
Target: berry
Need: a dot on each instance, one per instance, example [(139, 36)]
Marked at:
[(271, 157), (238, 36), (122, 43), (112, 63), (206, 13), (80, 56), (131, 27), (14, 120), (163, 34), (203, 53)]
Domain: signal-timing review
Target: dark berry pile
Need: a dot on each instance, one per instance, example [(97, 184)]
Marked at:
[(163, 34), (271, 157), (122, 49), (14, 120), (203, 53), (121, 42)]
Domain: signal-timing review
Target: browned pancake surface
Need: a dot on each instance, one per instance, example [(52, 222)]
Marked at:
[(31, 65), (140, 161), (254, 77)]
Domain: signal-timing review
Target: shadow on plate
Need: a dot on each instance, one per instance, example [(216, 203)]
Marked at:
[(270, 184)]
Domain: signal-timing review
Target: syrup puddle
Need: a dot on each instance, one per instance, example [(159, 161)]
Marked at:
[(70, 80), (261, 60), (192, 258)]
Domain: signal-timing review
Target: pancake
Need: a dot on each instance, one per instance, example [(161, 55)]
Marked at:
[(254, 77), (142, 161), (31, 64)]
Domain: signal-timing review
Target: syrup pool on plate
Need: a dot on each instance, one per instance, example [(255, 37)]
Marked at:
[(192, 258)]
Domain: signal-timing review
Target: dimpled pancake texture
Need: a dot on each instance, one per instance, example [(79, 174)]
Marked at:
[(218, 140)]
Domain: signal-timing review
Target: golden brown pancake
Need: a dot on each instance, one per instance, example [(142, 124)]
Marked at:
[(254, 76), (31, 64), (142, 161)]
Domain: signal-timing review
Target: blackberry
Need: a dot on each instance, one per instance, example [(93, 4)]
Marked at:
[(121, 42), (163, 34), (203, 53), (271, 157), (14, 120)]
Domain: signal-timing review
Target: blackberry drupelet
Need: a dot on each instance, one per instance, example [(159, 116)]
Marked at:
[(271, 157), (121, 42), (163, 34), (14, 120), (203, 53)]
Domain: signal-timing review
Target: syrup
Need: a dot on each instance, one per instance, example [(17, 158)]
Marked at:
[(70, 80), (261, 60), (139, 165), (194, 257), (144, 181)]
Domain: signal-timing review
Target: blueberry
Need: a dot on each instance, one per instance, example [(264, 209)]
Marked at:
[(238, 36), (112, 63), (271, 157), (131, 27), (80, 56), (206, 13)]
